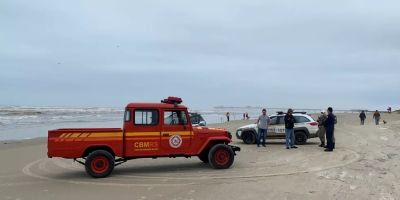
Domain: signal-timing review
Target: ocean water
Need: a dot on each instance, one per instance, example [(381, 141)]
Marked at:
[(24, 122)]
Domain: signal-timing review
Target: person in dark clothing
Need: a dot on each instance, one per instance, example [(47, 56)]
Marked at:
[(330, 129), (362, 117), (289, 129), (377, 117)]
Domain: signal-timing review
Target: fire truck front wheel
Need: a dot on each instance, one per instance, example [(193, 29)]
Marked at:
[(221, 156), (99, 163)]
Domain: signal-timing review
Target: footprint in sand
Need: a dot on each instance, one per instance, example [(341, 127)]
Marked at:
[(384, 138)]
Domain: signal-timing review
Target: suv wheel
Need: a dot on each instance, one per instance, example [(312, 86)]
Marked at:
[(221, 156), (300, 138), (249, 137), (99, 164)]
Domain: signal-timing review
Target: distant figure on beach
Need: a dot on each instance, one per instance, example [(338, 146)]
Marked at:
[(247, 116), (377, 117), (244, 116), (330, 129), (389, 110), (227, 116), (262, 125), (321, 129), (362, 117), (289, 129)]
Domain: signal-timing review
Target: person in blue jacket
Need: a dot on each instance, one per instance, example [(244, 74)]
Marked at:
[(330, 129)]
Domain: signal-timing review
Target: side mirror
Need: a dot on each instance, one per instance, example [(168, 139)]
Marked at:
[(202, 123)]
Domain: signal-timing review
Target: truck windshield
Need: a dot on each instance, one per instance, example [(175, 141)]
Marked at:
[(176, 117)]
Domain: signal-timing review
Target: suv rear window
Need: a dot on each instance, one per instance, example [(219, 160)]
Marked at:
[(146, 117), (301, 119)]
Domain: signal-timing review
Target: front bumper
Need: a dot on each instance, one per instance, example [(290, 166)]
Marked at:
[(234, 148)]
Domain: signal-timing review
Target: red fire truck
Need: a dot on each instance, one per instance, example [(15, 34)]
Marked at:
[(150, 130)]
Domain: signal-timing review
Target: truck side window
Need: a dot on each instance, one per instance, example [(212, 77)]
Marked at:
[(176, 117), (146, 117)]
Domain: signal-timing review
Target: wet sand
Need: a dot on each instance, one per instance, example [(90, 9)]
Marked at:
[(365, 165)]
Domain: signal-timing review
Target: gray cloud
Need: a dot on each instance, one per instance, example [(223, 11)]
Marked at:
[(276, 53)]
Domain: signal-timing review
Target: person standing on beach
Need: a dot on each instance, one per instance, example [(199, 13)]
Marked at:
[(262, 124), (289, 129), (227, 116), (362, 117), (330, 129), (377, 117), (321, 129)]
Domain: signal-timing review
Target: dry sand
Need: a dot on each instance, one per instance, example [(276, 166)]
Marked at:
[(365, 165)]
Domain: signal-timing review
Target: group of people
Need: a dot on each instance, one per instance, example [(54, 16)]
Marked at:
[(246, 116), (326, 129), (376, 116), (326, 124)]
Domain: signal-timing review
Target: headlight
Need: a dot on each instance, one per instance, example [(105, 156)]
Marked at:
[(239, 132), (229, 135)]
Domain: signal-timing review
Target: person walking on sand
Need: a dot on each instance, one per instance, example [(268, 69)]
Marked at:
[(262, 124), (377, 117), (227, 116), (362, 117), (321, 129), (330, 129), (289, 129)]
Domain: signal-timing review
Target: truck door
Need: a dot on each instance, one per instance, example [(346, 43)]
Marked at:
[(176, 134), (142, 138)]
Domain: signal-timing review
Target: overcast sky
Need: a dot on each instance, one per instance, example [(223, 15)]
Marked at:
[(301, 54)]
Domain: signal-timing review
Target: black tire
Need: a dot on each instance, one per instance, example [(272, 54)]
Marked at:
[(221, 156), (300, 138), (204, 156), (99, 163), (249, 137)]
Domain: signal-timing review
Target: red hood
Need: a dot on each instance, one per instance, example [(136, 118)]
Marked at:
[(214, 131)]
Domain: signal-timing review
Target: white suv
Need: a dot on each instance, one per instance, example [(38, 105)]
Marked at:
[(305, 127)]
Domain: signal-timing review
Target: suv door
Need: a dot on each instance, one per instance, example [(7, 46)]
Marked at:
[(272, 126), (176, 134), (277, 126), (280, 127)]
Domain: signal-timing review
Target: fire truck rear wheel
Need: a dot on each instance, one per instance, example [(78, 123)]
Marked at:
[(99, 163), (221, 156)]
